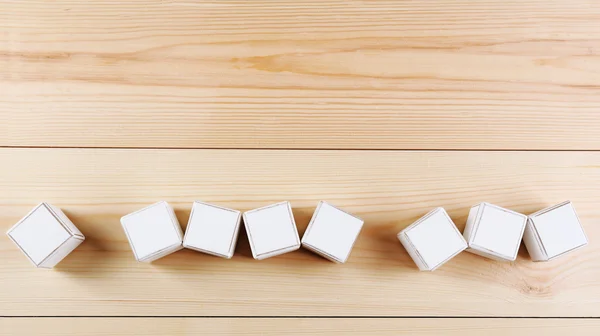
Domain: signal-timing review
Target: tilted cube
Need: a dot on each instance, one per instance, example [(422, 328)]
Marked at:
[(271, 230), (153, 232), (553, 232), (212, 229), (46, 236), (432, 240), (494, 232), (332, 232)]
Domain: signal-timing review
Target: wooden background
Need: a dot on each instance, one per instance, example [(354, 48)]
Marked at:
[(384, 108)]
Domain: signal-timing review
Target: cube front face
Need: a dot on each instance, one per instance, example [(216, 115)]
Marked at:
[(558, 229), (152, 231), (271, 230), (332, 232), (496, 232), (435, 239), (43, 237), (212, 229)]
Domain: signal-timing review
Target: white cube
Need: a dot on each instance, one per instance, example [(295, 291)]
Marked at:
[(46, 236), (553, 232), (494, 232), (332, 232), (212, 229), (153, 232), (432, 240), (271, 230)]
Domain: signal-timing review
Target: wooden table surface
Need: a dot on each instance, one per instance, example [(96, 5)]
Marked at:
[(384, 108)]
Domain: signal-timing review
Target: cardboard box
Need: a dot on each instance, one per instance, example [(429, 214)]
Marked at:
[(494, 232), (46, 236), (432, 240), (332, 232), (271, 230), (153, 232), (553, 232), (212, 229)]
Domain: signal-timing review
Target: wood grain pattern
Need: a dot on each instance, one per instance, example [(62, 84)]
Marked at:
[(206, 79), (451, 74), (388, 189), (318, 327)]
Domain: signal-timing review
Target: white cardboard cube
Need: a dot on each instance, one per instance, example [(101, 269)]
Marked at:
[(332, 232), (494, 232), (553, 232), (271, 230), (153, 232), (432, 240), (212, 229), (46, 235)]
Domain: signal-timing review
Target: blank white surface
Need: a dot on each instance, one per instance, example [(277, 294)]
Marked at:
[(151, 230), (412, 252), (271, 228), (212, 229), (333, 232), (65, 220), (470, 225), (559, 230), (64, 250), (436, 239), (534, 248), (500, 231), (39, 234)]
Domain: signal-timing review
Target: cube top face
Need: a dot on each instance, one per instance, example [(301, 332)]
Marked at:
[(212, 229), (152, 230), (436, 238), (271, 230), (332, 232), (559, 229), (40, 233), (498, 230)]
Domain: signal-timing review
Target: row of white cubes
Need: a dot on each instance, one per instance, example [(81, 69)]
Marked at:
[(154, 232), (494, 232), (46, 235)]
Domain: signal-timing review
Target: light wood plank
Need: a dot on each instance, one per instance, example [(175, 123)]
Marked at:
[(294, 326), (458, 74), (389, 189)]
